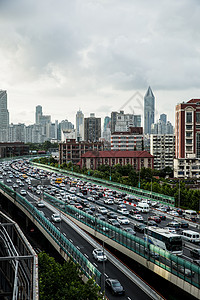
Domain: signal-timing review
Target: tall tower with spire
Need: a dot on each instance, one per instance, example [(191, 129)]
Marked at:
[(149, 110)]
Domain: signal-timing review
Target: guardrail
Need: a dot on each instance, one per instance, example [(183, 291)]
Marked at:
[(158, 256), (164, 199), (71, 251)]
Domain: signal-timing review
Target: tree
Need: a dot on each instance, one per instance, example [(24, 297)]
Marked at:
[(57, 282)]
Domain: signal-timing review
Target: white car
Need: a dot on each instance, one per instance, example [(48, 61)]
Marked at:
[(108, 201), (138, 217), (99, 255), (40, 204), (23, 192), (174, 213), (123, 220), (123, 211), (102, 210), (170, 229), (56, 218)]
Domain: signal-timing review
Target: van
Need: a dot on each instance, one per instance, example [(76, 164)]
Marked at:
[(191, 236), (190, 215), (143, 207)]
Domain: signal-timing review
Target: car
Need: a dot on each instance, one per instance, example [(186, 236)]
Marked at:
[(138, 218), (123, 220), (88, 211), (15, 186), (121, 206), (173, 224), (161, 216), (114, 222), (195, 253), (102, 210), (134, 211), (123, 211), (23, 192), (183, 270), (154, 218), (99, 255), (40, 204), (114, 286), (100, 217), (108, 201), (111, 215), (139, 227), (41, 212), (151, 223), (9, 180), (152, 253), (174, 213), (130, 230), (183, 224), (56, 218), (91, 199), (170, 229), (78, 206)]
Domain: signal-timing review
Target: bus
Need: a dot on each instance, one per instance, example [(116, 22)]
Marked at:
[(164, 239)]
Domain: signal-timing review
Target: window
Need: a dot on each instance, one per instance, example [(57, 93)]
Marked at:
[(198, 117), (188, 117), (188, 127)]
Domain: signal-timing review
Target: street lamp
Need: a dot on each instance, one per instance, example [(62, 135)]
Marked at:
[(104, 266), (179, 194)]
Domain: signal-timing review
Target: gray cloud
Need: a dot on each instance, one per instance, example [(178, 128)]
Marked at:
[(83, 53)]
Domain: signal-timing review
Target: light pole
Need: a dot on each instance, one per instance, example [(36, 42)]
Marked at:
[(139, 180), (104, 266), (179, 195)]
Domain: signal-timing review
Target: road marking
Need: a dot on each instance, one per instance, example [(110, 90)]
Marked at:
[(95, 265), (86, 255), (64, 233), (71, 240), (106, 275), (78, 247), (58, 228), (128, 298)]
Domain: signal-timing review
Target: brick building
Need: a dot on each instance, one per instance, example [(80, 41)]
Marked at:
[(72, 150), (138, 159)]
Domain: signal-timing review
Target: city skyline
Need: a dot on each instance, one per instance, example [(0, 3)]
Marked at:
[(94, 55)]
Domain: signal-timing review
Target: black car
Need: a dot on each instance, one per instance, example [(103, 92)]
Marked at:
[(115, 286), (111, 215), (184, 224), (139, 227)]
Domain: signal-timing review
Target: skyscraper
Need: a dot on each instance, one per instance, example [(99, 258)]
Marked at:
[(38, 114), (149, 110), (92, 128), (4, 114), (79, 125), (163, 118)]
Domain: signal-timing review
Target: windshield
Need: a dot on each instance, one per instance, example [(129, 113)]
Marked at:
[(175, 245), (116, 284)]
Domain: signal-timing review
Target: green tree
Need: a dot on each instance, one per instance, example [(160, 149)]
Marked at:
[(57, 282)]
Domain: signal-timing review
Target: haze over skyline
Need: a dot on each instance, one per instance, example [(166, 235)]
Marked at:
[(94, 55)]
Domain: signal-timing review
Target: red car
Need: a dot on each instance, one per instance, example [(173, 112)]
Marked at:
[(155, 218)]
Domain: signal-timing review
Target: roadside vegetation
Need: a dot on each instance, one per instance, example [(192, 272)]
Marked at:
[(147, 179), (63, 281)]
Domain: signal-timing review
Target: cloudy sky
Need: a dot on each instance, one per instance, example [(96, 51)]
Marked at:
[(97, 54)]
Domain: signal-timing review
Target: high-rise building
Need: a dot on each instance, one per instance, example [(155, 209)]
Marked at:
[(162, 147), (92, 128), (162, 128), (4, 114), (149, 110), (79, 125), (122, 122), (187, 139), (163, 118), (113, 121), (38, 114)]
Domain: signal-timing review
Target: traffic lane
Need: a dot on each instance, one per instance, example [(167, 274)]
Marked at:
[(110, 270)]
